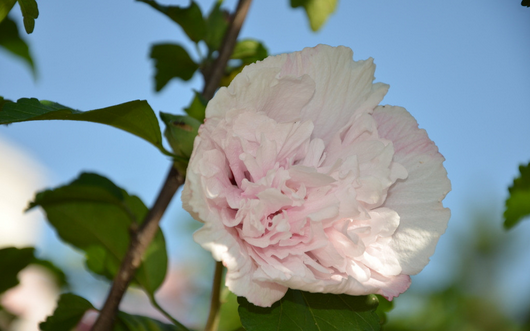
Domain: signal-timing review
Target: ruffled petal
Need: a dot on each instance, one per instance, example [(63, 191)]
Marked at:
[(418, 199)]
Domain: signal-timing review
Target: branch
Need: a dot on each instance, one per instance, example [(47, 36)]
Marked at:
[(143, 237), (227, 47), (137, 247)]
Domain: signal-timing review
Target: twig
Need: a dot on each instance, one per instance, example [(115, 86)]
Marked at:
[(227, 47), (174, 180), (137, 247), (215, 304)]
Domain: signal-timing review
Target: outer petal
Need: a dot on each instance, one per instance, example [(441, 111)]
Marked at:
[(418, 199)]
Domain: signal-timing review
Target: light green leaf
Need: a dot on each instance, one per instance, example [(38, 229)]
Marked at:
[(10, 40), (142, 323), (12, 261), (317, 11), (30, 11), (216, 25), (171, 61), (94, 215), (5, 8), (518, 203), (135, 117), (70, 309), (247, 51), (197, 108), (189, 18), (306, 311)]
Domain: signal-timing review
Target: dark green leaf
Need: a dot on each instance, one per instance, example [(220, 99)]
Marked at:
[(197, 107), (57, 273), (216, 26), (518, 203), (305, 311), (383, 308), (12, 261), (189, 18), (94, 215), (525, 3), (142, 323), (30, 12), (70, 309), (5, 8), (10, 40), (171, 61), (135, 117), (317, 11)]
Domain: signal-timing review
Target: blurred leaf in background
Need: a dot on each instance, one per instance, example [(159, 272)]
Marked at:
[(518, 203)]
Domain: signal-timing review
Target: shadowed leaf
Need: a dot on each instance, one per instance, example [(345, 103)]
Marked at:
[(518, 203), (306, 311), (142, 323), (70, 309), (12, 261), (10, 40), (95, 215), (30, 11), (135, 117), (171, 61), (189, 18)]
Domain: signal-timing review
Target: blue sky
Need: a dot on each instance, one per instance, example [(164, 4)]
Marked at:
[(460, 67)]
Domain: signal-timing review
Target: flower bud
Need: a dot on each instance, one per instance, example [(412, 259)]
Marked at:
[(180, 133)]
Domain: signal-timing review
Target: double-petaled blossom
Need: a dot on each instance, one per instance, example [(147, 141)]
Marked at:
[(302, 181)]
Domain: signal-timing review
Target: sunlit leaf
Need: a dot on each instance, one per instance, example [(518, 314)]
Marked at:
[(317, 11), (171, 61), (216, 25), (246, 51), (12, 261), (11, 41), (306, 311), (129, 322), (197, 108), (30, 11), (5, 8), (135, 117), (189, 18), (70, 309), (518, 203), (249, 51), (95, 215)]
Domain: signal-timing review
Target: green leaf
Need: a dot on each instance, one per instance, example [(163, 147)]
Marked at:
[(30, 12), (11, 41), (518, 203), (228, 316), (197, 108), (305, 311), (180, 132), (94, 215), (525, 3), (70, 309), (216, 25), (189, 18), (383, 308), (171, 61), (135, 117), (317, 11), (247, 51), (5, 8), (142, 323), (12, 261)]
